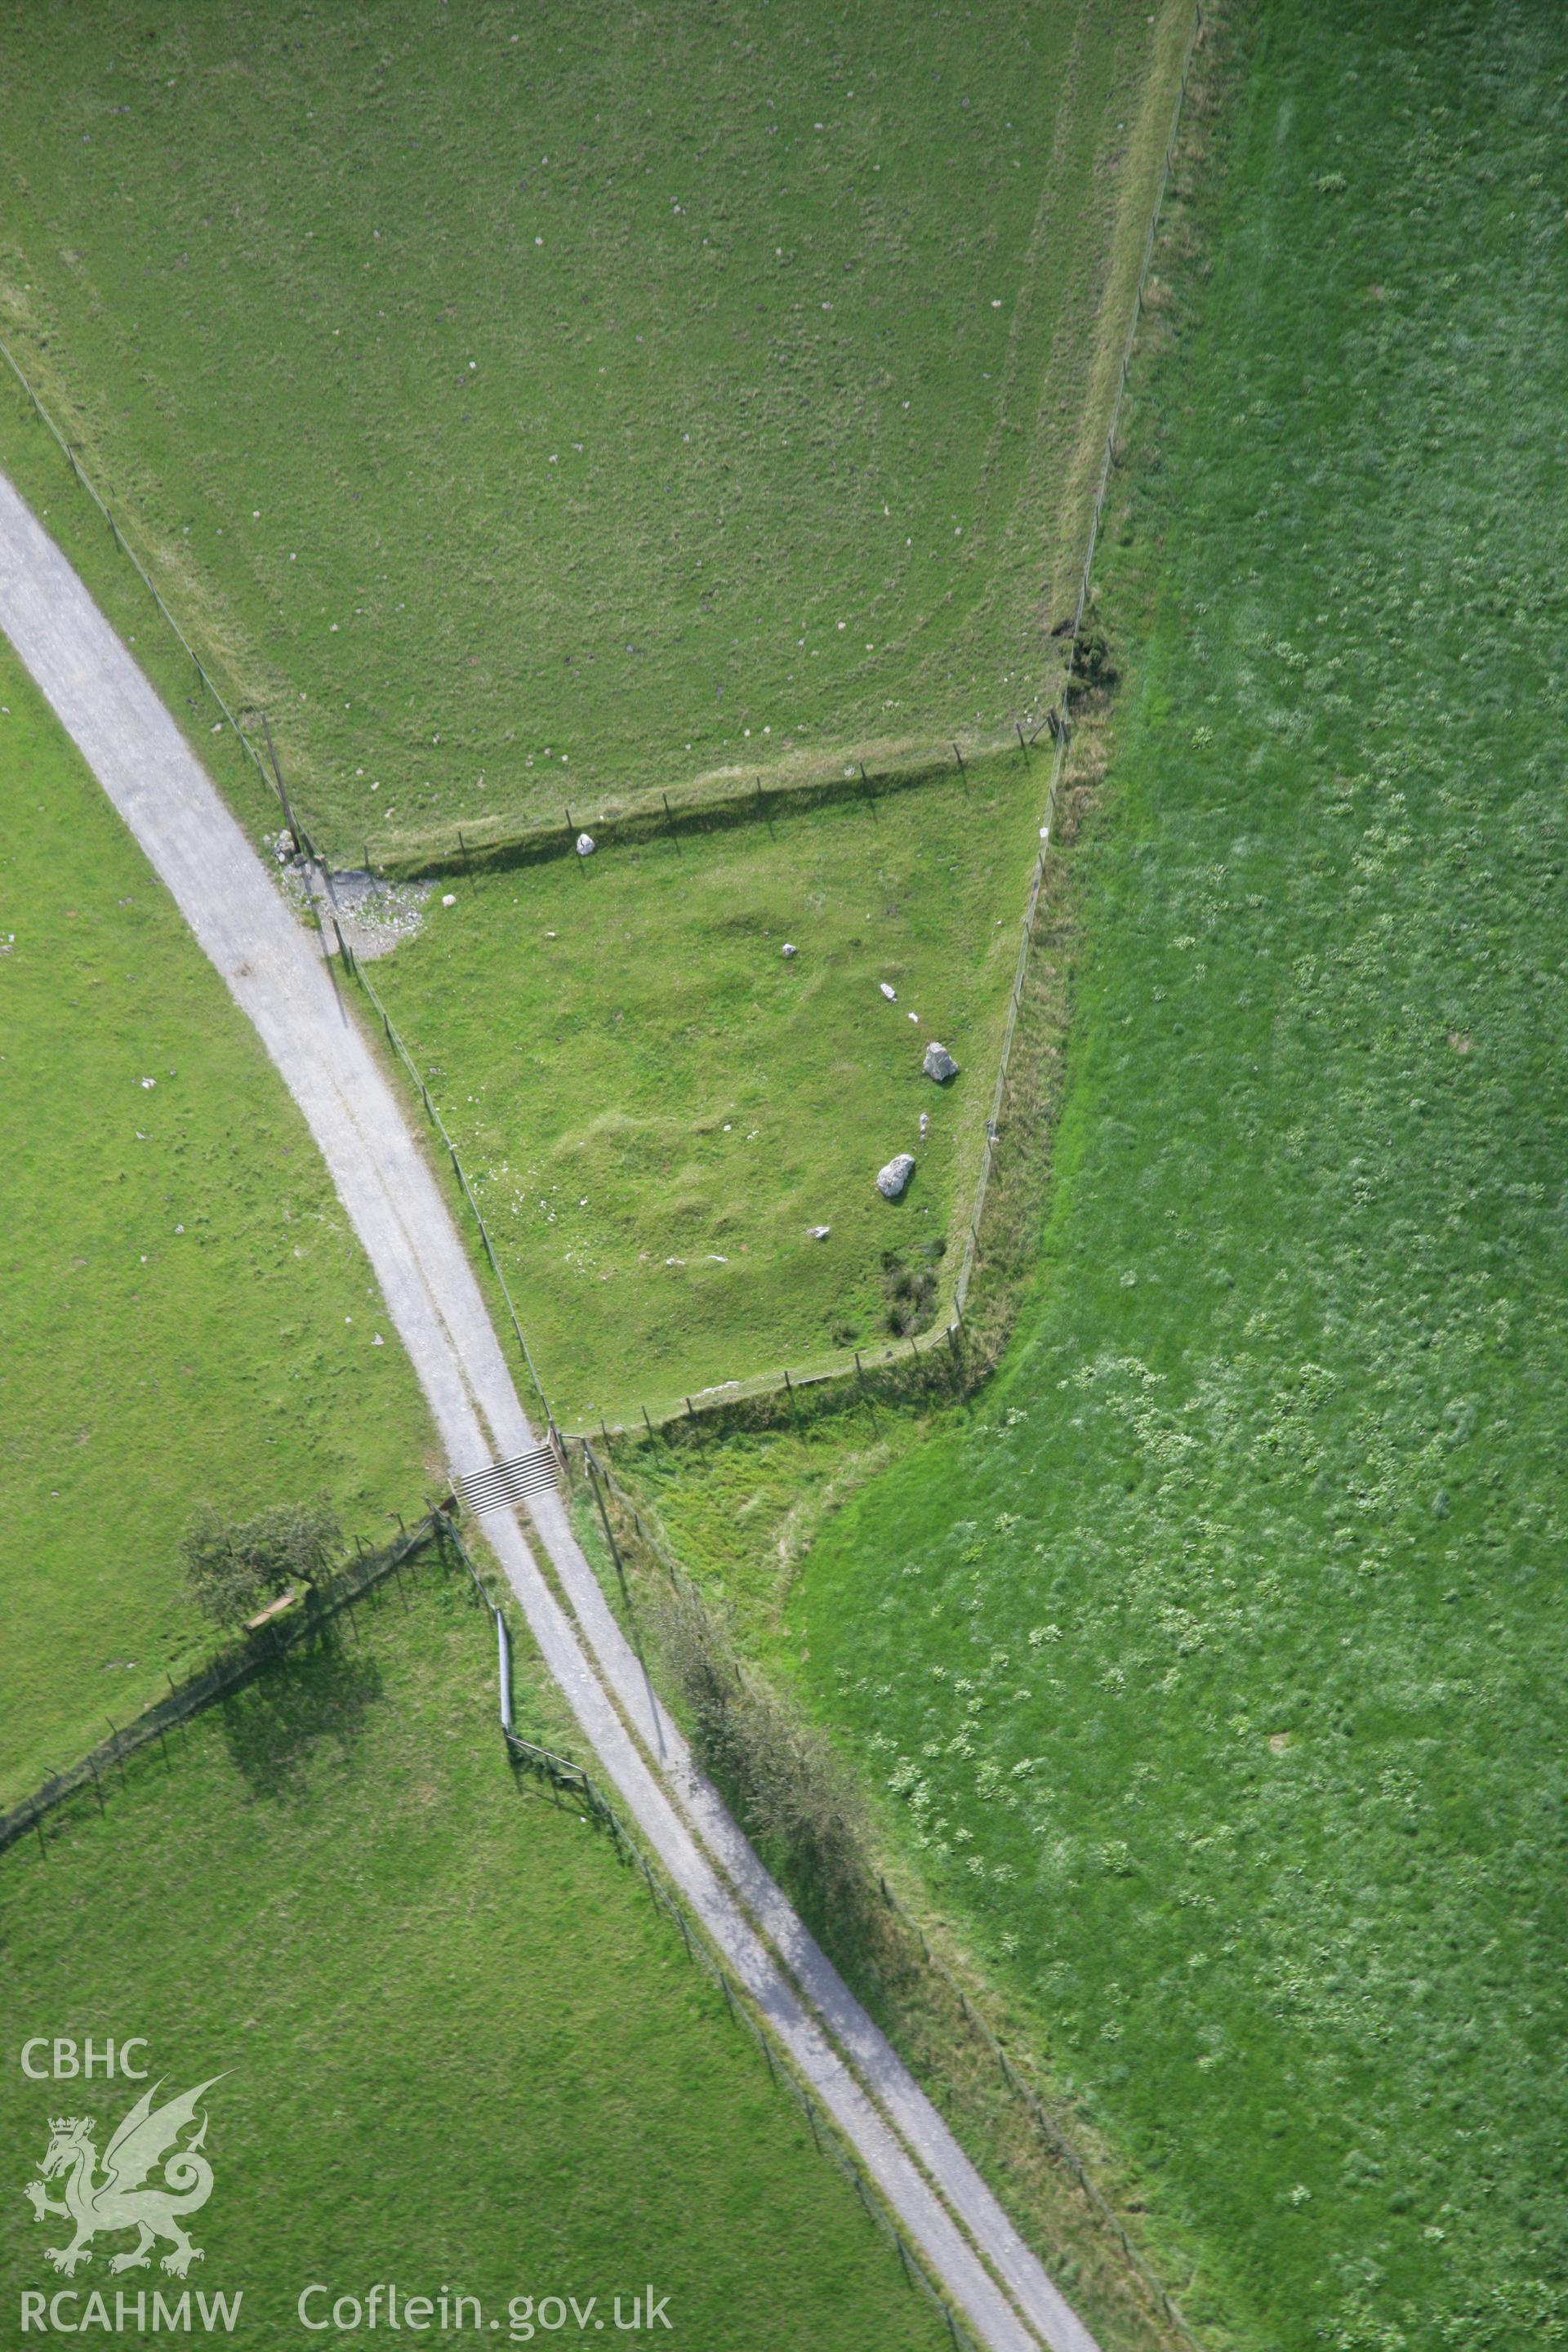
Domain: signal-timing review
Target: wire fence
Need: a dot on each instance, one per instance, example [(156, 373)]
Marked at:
[(1054, 2135), (1061, 722), (568, 1779), (694, 808), (243, 1661), (84, 481), (230, 1670), (841, 1364), (354, 964), (846, 1364), (1046, 2125), (239, 1665), (319, 871)]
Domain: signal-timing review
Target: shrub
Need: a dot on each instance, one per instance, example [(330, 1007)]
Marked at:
[(783, 1779)]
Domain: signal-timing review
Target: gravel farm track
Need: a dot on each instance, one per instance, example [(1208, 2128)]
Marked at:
[(273, 967)]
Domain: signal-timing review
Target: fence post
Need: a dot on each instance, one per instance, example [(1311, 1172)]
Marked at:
[(604, 1518)]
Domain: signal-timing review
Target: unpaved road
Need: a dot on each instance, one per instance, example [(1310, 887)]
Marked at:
[(273, 969)]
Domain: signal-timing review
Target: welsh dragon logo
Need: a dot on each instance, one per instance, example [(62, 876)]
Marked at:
[(118, 2200)]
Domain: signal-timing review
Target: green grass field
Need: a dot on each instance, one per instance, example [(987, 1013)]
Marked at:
[(1212, 1671), (656, 1105), (729, 393), (183, 1312), (459, 2048)]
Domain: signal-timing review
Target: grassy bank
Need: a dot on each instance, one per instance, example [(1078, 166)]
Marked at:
[(523, 417), (186, 1316), (459, 2048), (1214, 1669), (657, 1105)]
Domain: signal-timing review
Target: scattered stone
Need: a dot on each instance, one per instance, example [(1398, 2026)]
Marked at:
[(818, 1233), (372, 913), (586, 844), (890, 993), (925, 1125), (893, 1180), (789, 951), (939, 1064), (448, 897)]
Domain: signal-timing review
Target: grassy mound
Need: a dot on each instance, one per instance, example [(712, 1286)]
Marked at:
[(660, 1106), (524, 416), (1215, 1670), (460, 2049), (186, 1313)]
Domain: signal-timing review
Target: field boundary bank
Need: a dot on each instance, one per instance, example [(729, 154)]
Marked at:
[(725, 804), (563, 1774), (735, 808), (320, 884), (84, 481), (230, 1670), (246, 1661), (1053, 2134), (686, 815), (405, 1218), (846, 1364)]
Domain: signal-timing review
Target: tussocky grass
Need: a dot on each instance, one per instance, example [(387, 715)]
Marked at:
[(460, 2049), (1212, 1672), (186, 1315), (524, 417)]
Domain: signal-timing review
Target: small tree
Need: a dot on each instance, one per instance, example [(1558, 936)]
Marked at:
[(233, 1567)]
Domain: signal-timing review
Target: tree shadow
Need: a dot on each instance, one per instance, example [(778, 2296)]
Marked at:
[(275, 1725)]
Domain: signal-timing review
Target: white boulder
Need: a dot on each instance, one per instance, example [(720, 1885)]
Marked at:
[(892, 1181)]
